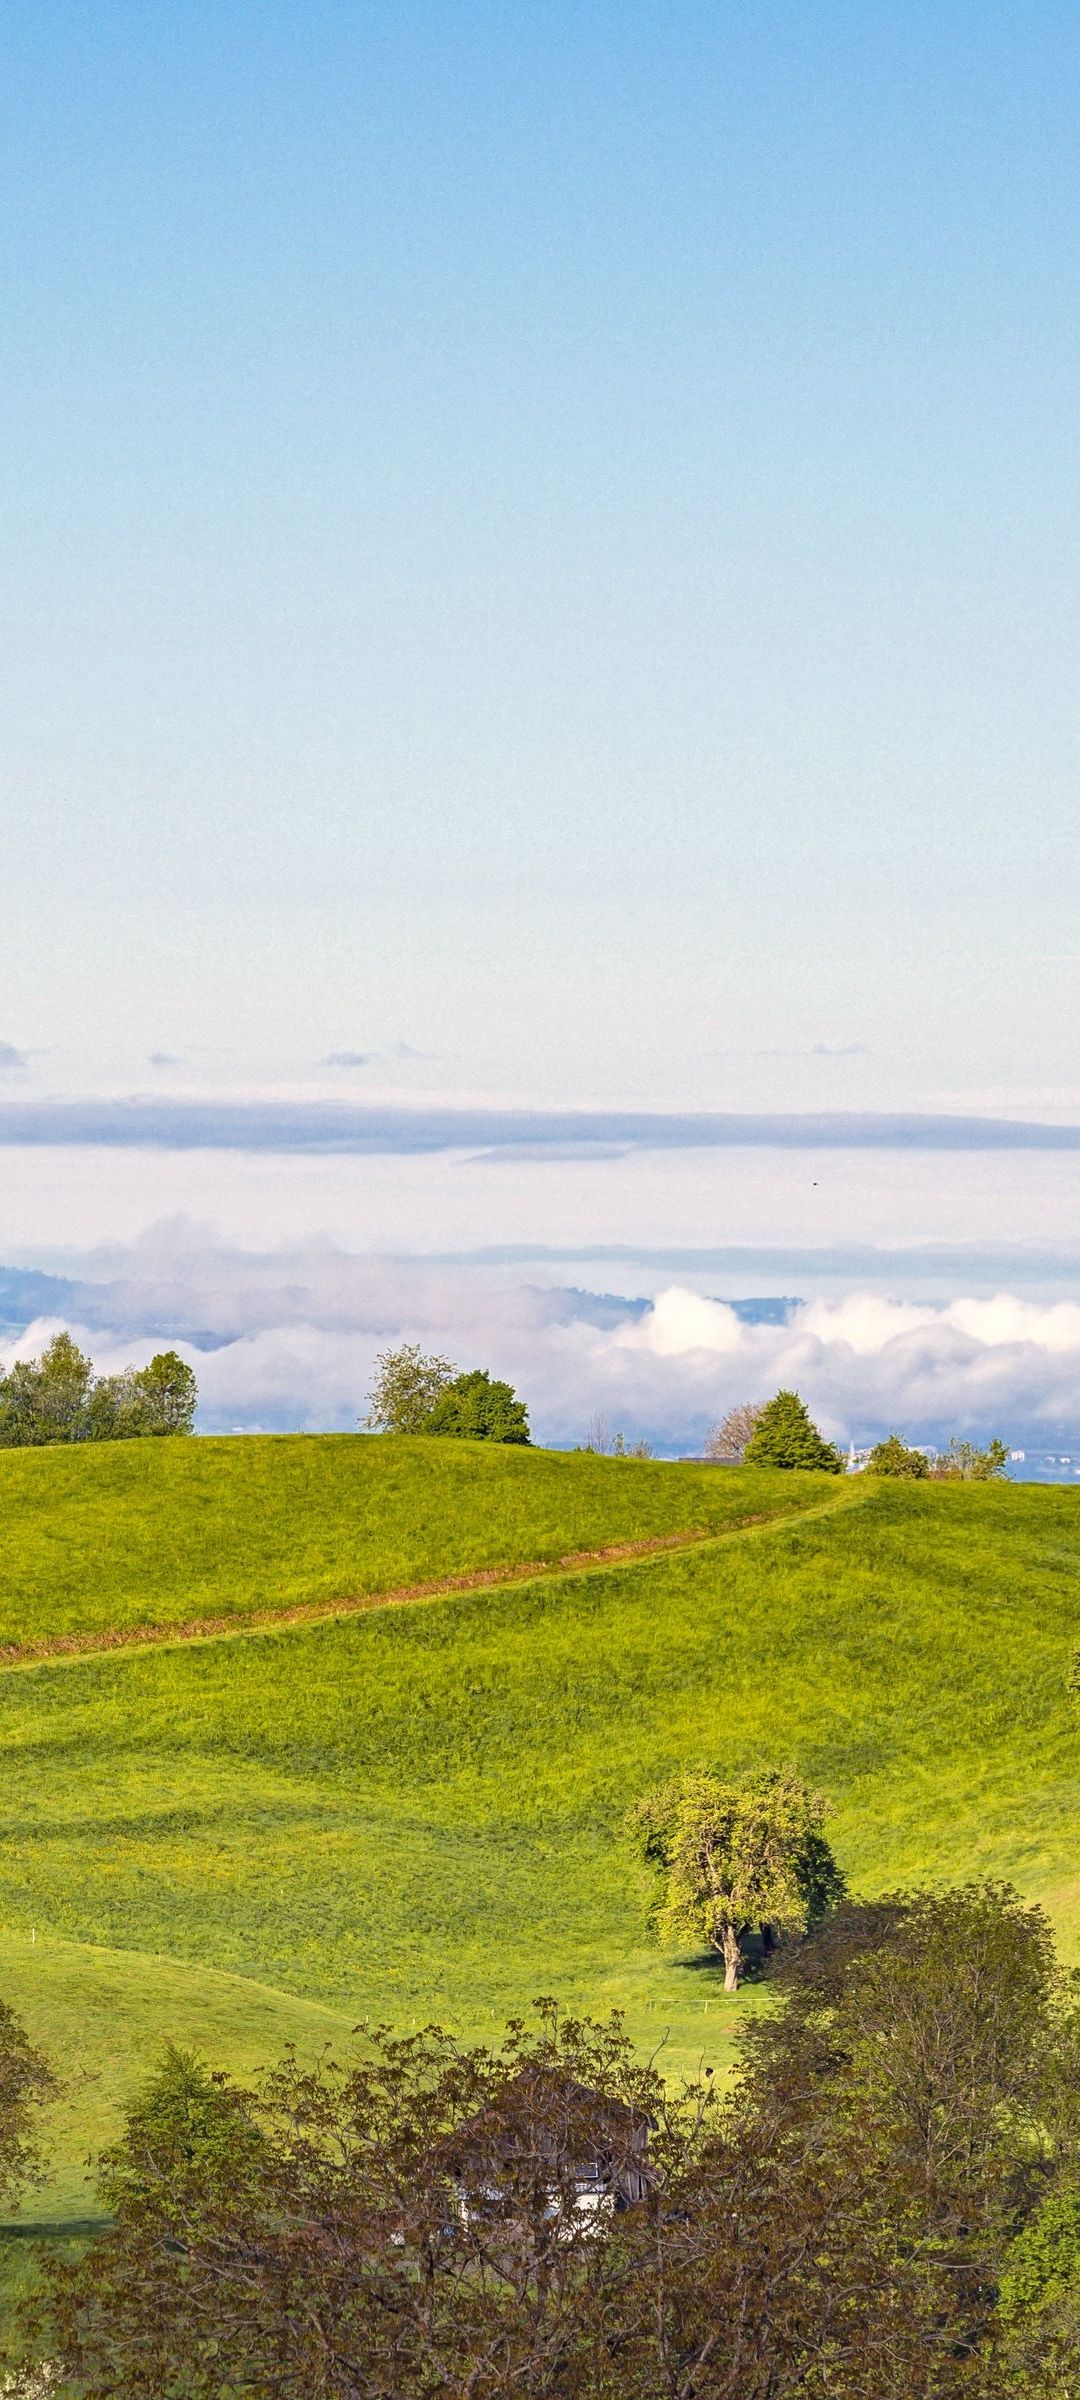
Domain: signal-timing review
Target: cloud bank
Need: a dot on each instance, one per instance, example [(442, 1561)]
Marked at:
[(287, 1340)]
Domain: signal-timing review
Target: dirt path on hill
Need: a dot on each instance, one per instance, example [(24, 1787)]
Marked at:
[(55, 1648)]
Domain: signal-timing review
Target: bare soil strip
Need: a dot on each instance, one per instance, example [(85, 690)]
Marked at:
[(311, 1612)]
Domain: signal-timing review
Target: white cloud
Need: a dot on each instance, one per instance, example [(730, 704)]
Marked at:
[(681, 1322), (1006, 1319), (282, 1324), (303, 1331), (863, 1320)]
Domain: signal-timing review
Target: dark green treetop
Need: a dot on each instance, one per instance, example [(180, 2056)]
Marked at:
[(786, 1436), (479, 1408), (893, 1457)]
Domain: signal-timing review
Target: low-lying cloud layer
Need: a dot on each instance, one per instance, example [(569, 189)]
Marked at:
[(288, 1339)]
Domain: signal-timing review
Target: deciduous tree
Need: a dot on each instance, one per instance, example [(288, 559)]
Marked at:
[(404, 2228), (59, 1398), (734, 1858), (835, 2226), (477, 1408), (27, 2082), (727, 1442), (407, 1384), (166, 1395)]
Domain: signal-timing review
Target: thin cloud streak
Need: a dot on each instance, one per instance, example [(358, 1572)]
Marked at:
[(339, 1128)]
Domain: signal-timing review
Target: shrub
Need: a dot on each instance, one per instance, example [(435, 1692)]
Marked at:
[(964, 1462), (893, 1457)]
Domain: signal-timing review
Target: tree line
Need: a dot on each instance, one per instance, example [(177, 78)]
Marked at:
[(781, 1433), (59, 1398), (414, 1391), (883, 2205)]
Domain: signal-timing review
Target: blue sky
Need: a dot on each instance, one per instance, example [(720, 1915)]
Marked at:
[(549, 537), (540, 574)]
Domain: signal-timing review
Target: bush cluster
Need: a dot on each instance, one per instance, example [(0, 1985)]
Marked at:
[(901, 2145), (416, 1393)]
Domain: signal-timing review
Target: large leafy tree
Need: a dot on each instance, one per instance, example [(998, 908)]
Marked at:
[(786, 1436), (479, 1408), (166, 1394), (414, 1392), (937, 2035), (735, 1858), (45, 1399), (406, 1385), (403, 2228)]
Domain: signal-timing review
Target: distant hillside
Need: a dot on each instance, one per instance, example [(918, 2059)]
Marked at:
[(25, 1294)]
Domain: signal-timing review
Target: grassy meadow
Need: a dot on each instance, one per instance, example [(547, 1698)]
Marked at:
[(418, 1812), (120, 1534)]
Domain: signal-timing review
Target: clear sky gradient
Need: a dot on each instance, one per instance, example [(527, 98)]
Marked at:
[(541, 551)]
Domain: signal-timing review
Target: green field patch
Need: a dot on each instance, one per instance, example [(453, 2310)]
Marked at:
[(103, 2016), (96, 1538)]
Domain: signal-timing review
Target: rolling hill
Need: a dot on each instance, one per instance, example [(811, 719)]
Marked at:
[(418, 1811)]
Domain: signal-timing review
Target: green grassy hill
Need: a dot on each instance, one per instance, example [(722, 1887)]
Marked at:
[(418, 1812), (123, 1534)]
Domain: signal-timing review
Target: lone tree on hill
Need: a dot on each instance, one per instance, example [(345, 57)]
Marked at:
[(894, 1458), (727, 1442), (786, 1436), (738, 1858), (477, 1409)]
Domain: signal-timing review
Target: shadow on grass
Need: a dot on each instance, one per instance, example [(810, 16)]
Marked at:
[(757, 1966)]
